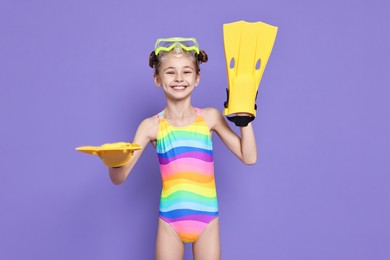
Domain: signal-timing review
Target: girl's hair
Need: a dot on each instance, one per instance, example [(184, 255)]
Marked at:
[(155, 61)]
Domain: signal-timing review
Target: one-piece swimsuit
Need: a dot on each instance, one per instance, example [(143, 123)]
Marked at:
[(188, 198)]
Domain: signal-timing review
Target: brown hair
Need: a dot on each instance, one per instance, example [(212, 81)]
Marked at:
[(154, 61)]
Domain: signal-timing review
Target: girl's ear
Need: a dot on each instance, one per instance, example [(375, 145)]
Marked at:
[(197, 79), (157, 82)]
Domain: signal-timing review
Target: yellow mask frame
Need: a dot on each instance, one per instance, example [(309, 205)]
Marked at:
[(167, 44)]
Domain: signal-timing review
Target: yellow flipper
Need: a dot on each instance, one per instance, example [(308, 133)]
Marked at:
[(114, 154), (247, 50)]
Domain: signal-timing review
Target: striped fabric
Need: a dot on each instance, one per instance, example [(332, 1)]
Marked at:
[(188, 198)]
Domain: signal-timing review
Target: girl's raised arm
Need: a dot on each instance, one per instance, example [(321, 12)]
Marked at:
[(243, 147)]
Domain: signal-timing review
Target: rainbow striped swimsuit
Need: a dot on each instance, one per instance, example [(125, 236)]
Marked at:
[(188, 198)]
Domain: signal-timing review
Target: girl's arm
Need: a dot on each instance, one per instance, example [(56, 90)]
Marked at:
[(146, 132), (243, 147)]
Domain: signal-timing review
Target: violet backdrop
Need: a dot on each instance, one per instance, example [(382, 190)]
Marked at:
[(76, 73)]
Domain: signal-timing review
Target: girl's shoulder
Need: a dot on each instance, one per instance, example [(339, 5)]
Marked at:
[(150, 121), (210, 112), (212, 116), (149, 127)]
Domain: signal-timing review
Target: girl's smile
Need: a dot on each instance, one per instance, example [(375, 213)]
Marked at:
[(178, 87)]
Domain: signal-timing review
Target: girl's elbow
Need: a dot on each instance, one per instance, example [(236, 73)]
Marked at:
[(249, 161), (117, 178), (117, 182)]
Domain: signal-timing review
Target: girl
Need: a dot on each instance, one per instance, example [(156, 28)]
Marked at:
[(181, 134)]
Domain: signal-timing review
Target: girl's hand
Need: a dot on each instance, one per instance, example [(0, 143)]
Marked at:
[(241, 119), (115, 159), (243, 114)]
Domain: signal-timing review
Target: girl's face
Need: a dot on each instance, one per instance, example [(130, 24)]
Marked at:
[(177, 76)]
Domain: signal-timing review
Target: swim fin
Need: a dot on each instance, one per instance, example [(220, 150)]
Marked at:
[(247, 50), (112, 154)]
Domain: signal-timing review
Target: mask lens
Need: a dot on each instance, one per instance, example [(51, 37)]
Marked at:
[(188, 43), (167, 44)]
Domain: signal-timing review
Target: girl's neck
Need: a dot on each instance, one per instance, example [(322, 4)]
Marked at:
[(179, 110)]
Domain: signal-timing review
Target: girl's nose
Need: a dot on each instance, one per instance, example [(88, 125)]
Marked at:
[(178, 77)]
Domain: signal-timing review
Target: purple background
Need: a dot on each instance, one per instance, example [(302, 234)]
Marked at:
[(76, 73)]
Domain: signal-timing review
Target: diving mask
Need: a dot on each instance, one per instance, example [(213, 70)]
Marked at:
[(167, 44)]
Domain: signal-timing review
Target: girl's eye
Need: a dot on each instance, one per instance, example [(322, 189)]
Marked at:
[(170, 72), (187, 72)]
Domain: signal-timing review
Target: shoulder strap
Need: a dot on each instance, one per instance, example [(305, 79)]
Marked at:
[(198, 111), (160, 115)]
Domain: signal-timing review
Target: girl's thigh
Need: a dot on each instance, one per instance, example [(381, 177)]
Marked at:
[(208, 246), (168, 244)]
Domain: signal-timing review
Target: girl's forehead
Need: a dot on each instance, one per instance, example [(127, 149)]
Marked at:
[(171, 60)]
